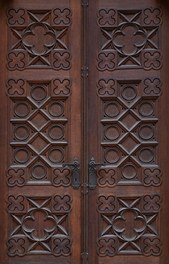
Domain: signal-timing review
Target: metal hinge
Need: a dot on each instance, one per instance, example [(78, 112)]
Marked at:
[(84, 71), (85, 3), (84, 188), (84, 257)]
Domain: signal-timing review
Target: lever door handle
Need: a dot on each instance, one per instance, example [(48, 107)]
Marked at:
[(75, 167), (92, 173)]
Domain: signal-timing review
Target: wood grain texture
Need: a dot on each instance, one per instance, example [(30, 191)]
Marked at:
[(127, 70), (41, 124), (84, 132)]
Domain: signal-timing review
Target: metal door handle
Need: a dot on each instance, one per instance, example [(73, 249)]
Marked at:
[(92, 173)]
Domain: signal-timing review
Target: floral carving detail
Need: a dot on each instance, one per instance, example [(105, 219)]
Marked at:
[(137, 38), (16, 203), (62, 16), (16, 60), (129, 38), (107, 17), (152, 86), (61, 87), (106, 61), (62, 203), (128, 224), (107, 246), (15, 87), (61, 246), (152, 177), (152, 16), (16, 177), (152, 202), (45, 228), (39, 40), (39, 226), (152, 246), (16, 247), (106, 204), (106, 88), (106, 177), (62, 60), (61, 177), (152, 60), (16, 17)]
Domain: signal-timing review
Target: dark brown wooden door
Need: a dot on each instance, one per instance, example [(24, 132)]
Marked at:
[(83, 135), (40, 131), (127, 132)]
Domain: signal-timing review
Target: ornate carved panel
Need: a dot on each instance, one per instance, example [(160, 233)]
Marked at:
[(129, 38), (39, 39), (129, 131), (125, 142), (39, 137), (129, 225), (39, 225), (41, 85)]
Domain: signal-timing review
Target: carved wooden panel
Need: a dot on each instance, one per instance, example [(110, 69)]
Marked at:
[(39, 38), (39, 225), (39, 124), (125, 89), (129, 225), (129, 131), (88, 81), (129, 125), (129, 38), (42, 85)]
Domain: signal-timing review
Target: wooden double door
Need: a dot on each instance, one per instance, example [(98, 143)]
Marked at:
[(84, 119)]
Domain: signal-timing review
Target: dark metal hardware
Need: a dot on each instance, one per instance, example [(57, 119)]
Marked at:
[(84, 256), (92, 173), (84, 188), (75, 167), (84, 71), (84, 3)]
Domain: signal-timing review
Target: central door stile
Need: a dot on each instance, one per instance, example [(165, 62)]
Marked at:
[(84, 110)]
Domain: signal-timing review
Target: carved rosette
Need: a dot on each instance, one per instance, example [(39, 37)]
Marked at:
[(129, 225), (141, 27), (39, 39)]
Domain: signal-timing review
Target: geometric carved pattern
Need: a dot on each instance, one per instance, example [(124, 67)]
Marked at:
[(39, 39), (129, 225), (129, 39), (129, 124), (39, 112), (38, 131), (129, 44), (39, 225)]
